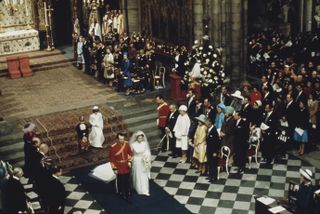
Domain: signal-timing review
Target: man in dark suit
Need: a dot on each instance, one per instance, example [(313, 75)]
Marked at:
[(247, 110), (224, 96), (213, 146), (290, 113), (268, 127), (55, 196), (240, 143), (268, 95), (171, 122), (14, 199), (208, 109), (191, 104), (301, 96)]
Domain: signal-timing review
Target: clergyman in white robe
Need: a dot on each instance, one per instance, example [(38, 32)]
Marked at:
[(96, 137), (96, 28)]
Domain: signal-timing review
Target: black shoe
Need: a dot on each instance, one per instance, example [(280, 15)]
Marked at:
[(213, 180), (208, 178), (163, 150), (240, 171)]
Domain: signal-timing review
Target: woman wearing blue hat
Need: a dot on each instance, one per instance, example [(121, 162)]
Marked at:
[(220, 116)]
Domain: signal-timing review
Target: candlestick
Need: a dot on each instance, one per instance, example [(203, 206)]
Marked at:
[(45, 13)]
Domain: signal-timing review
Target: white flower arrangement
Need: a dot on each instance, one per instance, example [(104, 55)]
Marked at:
[(211, 68), (147, 161)]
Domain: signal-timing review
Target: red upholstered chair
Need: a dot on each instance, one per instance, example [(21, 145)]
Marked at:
[(25, 66), (13, 67)]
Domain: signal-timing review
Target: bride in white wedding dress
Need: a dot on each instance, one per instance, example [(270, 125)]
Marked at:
[(141, 163)]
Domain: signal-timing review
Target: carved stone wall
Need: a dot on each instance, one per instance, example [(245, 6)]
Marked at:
[(167, 20), (19, 18)]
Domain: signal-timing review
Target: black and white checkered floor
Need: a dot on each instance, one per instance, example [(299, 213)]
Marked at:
[(231, 194)]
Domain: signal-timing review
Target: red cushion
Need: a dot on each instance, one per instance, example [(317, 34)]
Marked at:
[(221, 162), (13, 67), (251, 151), (24, 66)]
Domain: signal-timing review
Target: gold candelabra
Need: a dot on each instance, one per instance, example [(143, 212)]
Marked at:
[(48, 24), (93, 4)]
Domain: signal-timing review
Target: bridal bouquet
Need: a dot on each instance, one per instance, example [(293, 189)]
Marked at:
[(147, 161)]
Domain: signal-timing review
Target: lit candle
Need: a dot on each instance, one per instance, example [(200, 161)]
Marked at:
[(6, 2), (45, 14)]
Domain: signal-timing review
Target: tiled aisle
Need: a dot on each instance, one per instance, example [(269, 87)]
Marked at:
[(234, 194)]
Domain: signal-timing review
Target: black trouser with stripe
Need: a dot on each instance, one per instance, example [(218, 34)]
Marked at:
[(124, 185)]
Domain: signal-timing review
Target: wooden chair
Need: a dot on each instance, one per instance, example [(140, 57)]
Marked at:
[(292, 196), (253, 152), (13, 67), (223, 160), (159, 78), (25, 66)]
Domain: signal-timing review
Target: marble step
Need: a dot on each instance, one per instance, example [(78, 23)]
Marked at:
[(137, 112), (41, 66), (147, 118)]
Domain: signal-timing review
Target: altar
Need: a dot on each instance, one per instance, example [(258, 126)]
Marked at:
[(17, 41), (17, 27)]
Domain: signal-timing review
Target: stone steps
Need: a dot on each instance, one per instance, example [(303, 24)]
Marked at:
[(138, 114), (53, 61)]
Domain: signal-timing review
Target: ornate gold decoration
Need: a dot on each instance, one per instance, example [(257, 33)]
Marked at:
[(12, 5)]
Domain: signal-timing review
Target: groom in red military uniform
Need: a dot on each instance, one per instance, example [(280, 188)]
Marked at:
[(121, 156), (163, 113)]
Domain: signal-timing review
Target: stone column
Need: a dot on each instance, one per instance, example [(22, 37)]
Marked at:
[(228, 30), (301, 14), (133, 8), (308, 15), (198, 15)]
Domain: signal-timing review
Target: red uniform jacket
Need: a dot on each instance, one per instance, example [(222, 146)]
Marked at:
[(163, 113), (120, 156)]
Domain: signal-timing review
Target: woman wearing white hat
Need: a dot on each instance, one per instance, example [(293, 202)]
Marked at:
[(96, 137), (305, 203), (181, 130)]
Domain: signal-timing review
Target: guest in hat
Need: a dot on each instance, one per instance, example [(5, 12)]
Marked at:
[(199, 153), (127, 82), (96, 137), (227, 130), (219, 116), (305, 203), (181, 130)]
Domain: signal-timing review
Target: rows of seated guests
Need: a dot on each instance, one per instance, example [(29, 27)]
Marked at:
[(41, 172), (123, 62), (270, 46)]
